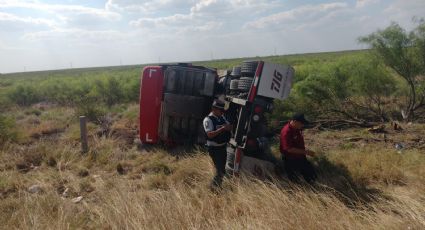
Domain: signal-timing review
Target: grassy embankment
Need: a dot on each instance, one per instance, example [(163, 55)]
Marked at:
[(364, 184)]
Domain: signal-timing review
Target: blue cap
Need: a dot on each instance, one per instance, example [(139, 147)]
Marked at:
[(300, 117)]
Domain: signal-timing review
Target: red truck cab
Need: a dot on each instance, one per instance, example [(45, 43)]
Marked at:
[(174, 98)]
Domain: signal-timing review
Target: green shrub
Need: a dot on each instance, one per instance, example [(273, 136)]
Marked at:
[(33, 111), (109, 86), (24, 95), (110, 91), (91, 108), (130, 89), (355, 88), (4, 103), (7, 129)]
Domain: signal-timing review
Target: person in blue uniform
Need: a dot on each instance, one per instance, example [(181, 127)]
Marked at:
[(217, 130)]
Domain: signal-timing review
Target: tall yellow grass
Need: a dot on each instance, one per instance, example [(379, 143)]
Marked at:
[(370, 187)]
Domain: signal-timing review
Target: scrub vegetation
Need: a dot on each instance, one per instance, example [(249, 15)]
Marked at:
[(367, 180)]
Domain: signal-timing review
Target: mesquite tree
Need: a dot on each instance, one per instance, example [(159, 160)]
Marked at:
[(404, 52)]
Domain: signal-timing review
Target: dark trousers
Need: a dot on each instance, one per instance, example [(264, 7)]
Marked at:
[(295, 167), (218, 156)]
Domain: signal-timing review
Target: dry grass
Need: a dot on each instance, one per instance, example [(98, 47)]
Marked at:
[(118, 203), (361, 186)]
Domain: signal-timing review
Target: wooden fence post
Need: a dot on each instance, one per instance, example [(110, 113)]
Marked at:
[(83, 134)]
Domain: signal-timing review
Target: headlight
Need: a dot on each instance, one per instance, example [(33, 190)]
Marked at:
[(256, 117)]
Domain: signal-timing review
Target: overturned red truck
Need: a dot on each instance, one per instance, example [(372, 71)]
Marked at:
[(174, 99)]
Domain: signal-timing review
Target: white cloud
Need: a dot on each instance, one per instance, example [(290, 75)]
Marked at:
[(174, 20), (204, 4), (152, 6), (204, 15), (406, 6), (178, 24), (303, 13), (232, 8), (363, 3), (50, 35), (11, 18), (209, 26), (63, 9), (402, 11), (148, 7), (75, 35)]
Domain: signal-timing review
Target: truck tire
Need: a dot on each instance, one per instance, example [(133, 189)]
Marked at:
[(234, 84), (248, 68), (236, 71), (245, 83), (223, 85)]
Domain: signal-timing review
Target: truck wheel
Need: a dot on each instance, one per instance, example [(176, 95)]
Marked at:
[(236, 71), (248, 68), (245, 84), (234, 84)]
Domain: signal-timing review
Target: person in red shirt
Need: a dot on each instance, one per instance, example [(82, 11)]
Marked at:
[(294, 152)]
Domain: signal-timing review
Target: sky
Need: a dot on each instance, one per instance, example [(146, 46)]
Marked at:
[(51, 34)]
